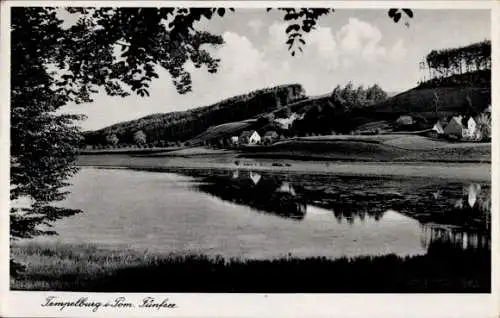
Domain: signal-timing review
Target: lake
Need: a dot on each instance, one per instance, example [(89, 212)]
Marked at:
[(265, 214)]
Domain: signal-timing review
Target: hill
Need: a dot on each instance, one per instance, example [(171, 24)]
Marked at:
[(182, 126), (466, 94), (318, 115), (419, 103), (383, 148)]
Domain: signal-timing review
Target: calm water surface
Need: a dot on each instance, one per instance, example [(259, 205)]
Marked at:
[(264, 215)]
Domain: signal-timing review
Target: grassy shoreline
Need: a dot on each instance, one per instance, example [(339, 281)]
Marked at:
[(64, 267), (377, 148), (456, 171)]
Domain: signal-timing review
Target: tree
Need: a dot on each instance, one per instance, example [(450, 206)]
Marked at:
[(348, 94), (446, 62), (360, 94), (435, 100), (375, 94), (484, 126), (112, 139), (337, 97), (140, 137), (52, 66)]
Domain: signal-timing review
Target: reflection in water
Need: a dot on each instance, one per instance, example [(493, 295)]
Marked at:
[(472, 193), (255, 177), (432, 233), (213, 212), (442, 209), (249, 188), (286, 187)]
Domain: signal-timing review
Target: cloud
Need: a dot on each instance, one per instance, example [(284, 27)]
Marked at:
[(361, 39), (320, 46), (322, 43), (355, 42), (239, 57), (398, 51), (255, 25)]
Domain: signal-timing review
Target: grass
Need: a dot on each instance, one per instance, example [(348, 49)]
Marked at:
[(129, 150), (193, 151), (420, 100), (89, 268), (386, 148)]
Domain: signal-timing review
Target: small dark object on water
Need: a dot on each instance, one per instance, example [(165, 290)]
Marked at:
[(288, 165), (237, 162), (276, 164)]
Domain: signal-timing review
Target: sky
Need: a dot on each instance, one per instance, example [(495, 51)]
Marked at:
[(363, 46)]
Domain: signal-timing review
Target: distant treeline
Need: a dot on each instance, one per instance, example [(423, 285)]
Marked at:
[(334, 113), (481, 78), (460, 60), (182, 126)]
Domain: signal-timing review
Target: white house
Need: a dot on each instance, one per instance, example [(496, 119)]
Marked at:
[(438, 128), (234, 140), (249, 137), (471, 131), (286, 123)]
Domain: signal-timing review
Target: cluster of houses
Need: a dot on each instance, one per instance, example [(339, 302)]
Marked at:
[(252, 137), (455, 127), (459, 127)]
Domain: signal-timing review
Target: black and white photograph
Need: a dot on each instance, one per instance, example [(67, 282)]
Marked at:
[(238, 149)]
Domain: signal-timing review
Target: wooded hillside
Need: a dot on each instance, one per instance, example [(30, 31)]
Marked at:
[(182, 126)]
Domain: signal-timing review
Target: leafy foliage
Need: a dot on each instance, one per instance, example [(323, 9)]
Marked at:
[(484, 125), (397, 14), (43, 143), (112, 139), (334, 115), (52, 66), (140, 137)]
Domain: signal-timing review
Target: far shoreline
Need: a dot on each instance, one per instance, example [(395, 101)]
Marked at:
[(446, 170)]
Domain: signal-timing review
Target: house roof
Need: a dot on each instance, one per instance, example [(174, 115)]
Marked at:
[(247, 133), (405, 119), (456, 120), (440, 123)]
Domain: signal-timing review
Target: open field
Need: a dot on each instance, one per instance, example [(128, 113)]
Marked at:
[(61, 267), (194, 151), (390, 147)]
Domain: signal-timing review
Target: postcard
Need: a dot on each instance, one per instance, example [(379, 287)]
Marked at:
[(249, 158)]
